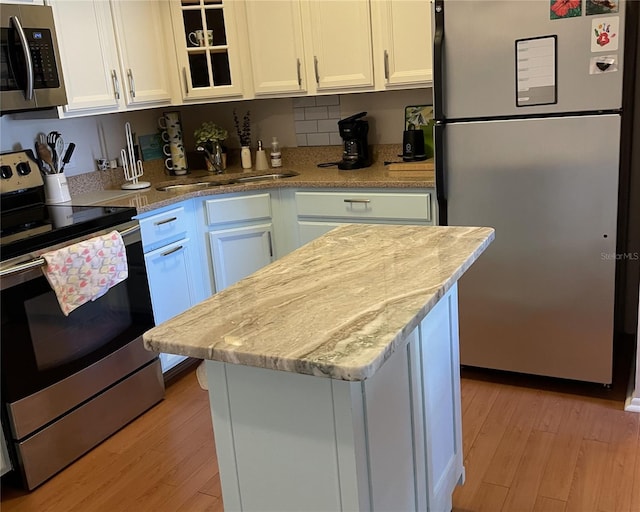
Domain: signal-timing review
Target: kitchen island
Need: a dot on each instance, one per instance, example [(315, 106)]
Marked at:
[(333, 372)]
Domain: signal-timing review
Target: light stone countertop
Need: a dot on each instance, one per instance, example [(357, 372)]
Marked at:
[(377, 176), (336, 307)]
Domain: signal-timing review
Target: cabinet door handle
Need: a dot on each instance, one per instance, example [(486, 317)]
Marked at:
[(270, 244), (171, 251), (132, 84), (360, 201), (186, 81), (116, 84), (165, 221), (315, 67), (299, 75), (386, 65)]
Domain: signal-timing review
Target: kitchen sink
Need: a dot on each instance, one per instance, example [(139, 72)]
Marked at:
[(201, 185), (198, 185), (266, 177)]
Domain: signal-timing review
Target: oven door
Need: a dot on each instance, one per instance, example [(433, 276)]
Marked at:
[(41, 348)]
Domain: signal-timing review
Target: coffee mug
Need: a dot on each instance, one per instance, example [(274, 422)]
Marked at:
[(102, 163), (196, 38), (170, 122), (177, 169)]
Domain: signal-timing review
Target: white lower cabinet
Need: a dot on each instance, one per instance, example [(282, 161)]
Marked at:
[(320, 211), (172, 262), (240, 236), (239, 252)]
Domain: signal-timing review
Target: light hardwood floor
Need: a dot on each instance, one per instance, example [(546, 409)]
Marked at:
[(526, 449)]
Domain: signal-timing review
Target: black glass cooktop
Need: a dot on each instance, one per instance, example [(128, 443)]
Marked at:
[(41, 226)]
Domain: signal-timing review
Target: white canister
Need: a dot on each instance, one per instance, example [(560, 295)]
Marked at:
[(245, 157)]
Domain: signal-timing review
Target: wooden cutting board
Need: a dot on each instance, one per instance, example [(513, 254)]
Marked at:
[(426, 165)]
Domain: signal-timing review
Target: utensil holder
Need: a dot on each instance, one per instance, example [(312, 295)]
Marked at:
[(56, 188)]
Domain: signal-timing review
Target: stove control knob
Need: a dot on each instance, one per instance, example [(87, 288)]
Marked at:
[(6, 172), (23, 168)]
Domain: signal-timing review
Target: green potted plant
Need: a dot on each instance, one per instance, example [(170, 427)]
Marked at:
[(210, 136)]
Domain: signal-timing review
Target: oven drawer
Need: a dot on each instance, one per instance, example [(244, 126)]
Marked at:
[(163, 227)]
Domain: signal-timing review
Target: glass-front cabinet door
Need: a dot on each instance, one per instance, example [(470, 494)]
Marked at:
[(206, 43)]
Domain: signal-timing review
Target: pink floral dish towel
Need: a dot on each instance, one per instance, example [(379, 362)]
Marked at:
[(85, 271)]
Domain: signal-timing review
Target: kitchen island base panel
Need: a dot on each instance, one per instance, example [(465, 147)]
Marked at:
[(288, 441)]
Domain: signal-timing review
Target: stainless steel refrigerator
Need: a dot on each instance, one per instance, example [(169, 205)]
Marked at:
[(527, 103)]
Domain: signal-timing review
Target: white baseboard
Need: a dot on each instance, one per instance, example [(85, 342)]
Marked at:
[(632, 404)]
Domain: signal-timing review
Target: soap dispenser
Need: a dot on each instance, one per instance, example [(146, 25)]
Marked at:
[(261, 158)]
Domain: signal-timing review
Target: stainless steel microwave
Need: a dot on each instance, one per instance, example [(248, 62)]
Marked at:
[(31, 74)]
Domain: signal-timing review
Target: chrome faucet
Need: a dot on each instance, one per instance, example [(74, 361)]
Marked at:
[(214, 159)]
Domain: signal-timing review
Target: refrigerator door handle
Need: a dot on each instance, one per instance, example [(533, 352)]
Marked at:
[(438, 48), (440, 175)]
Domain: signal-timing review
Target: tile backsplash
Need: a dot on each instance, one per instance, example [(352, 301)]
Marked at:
[(316, 120)]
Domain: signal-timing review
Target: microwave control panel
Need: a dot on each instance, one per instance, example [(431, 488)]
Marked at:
[(43, 57)]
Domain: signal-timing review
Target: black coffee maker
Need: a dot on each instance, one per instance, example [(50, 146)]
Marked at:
[(354, 131)]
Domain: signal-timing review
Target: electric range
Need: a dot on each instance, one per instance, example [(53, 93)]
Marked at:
[(29, 225)]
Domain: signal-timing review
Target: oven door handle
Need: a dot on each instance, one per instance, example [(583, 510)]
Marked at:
[(41, 262)]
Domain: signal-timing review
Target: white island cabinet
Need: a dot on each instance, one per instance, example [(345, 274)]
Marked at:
[(333, 373)]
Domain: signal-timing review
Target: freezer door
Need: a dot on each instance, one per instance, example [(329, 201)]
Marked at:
[(540, 300), (478, 70)]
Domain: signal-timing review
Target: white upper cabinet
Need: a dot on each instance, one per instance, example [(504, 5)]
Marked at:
[(301, 47), (113, 54), (402, 43), (206, 43), (140, 29), (276, 45), (337, 45)]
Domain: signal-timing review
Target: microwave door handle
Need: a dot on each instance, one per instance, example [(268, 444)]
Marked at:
[(15, 22)]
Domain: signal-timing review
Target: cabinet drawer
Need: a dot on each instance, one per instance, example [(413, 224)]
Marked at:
[(167, 226), (364, 205), (237, 209)]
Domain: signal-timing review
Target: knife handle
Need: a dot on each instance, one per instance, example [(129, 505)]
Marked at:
[(67, 155)]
